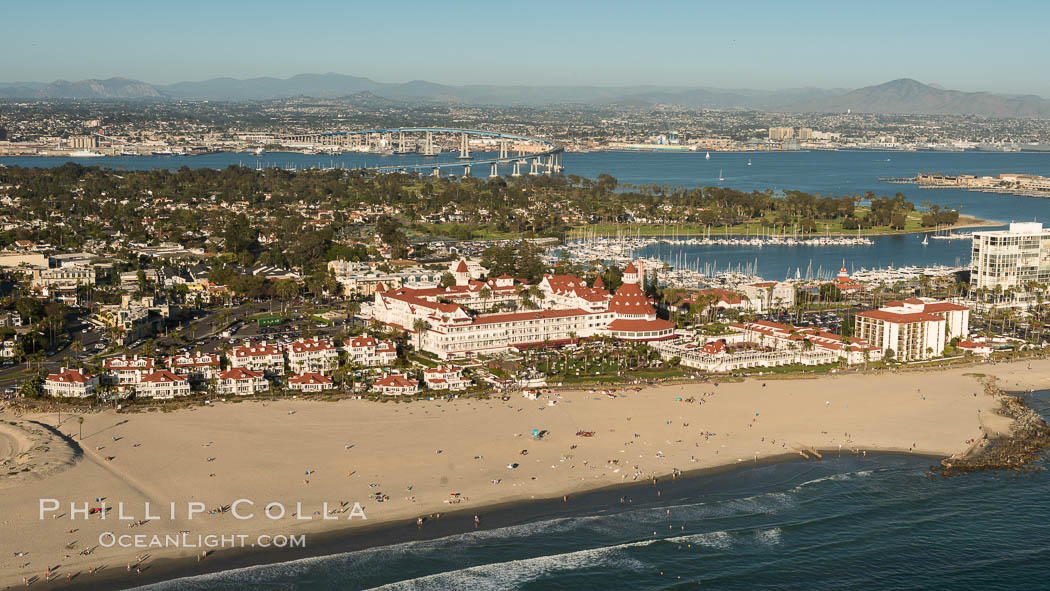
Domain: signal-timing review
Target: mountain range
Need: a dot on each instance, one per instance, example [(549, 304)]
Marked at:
[(903, 96)]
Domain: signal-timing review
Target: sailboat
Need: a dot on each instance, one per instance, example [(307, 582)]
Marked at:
[(749, 162), (720, 177), (707, 156), (925, 239)]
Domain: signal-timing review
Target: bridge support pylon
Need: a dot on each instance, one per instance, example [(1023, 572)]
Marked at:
[(466, 170), (502, 149), (517, 168), (464, 147), (437, 172), (495, 171), (534, 168)]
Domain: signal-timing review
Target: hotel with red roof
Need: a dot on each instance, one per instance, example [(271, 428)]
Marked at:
[(573, 310)]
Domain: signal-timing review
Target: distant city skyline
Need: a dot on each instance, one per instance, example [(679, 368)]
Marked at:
[(760, 45)]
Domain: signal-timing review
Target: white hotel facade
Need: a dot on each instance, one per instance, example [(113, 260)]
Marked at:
[(1009, 260)]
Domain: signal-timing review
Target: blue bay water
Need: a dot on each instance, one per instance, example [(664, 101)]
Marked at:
[(849, 522)]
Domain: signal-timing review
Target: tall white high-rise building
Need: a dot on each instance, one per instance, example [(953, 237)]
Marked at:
[(1010, 260)]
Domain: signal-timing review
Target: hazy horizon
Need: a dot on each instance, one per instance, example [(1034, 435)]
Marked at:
[(765, 45)]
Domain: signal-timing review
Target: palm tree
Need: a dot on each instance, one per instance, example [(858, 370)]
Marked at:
[(419, 325), (286, 289)]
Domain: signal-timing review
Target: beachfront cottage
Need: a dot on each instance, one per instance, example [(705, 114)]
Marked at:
[(974, 348), (311, 355), (125, 371), (198, 367), (71, 383), (162, 384), (445, 377), (242, 382), (310, 382), (368, 352), (258, 357), (396, 385)]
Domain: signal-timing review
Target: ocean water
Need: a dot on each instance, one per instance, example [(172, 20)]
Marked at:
[(849, 522), (827, 173)]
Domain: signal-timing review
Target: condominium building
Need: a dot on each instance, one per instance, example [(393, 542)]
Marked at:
[(310, 382), (445, 377), (781, 133), (956, 316), (396, 385), (913, 330), (769, 295), (71, 383), (198, 367), (1006, 262), (241, 382), (162, 384), (311, 355), (261, 357), (367, 351), (125, 371)]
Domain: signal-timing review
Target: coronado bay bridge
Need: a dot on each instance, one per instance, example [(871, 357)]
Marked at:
[(538, 155)]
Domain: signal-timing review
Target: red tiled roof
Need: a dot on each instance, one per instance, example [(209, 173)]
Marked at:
[(944, 307), (396, 381), (256, 351), (714, 347), (896, 318), (203, 360), (239, 373), (630, 299), (307, 345), (70, 376), (462, 267), (162, 376), (631, 269), (363, 342), (309, 378), (724, 295), (520, 316), (125, 362)]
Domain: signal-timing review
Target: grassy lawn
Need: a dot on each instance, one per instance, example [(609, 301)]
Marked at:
[(824, 227), (462, 231)]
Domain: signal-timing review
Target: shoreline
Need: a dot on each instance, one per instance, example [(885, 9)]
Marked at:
[(664, 230), (878, 413), (457, 522)]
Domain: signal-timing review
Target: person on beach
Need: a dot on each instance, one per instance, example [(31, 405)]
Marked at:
[(476, 522)]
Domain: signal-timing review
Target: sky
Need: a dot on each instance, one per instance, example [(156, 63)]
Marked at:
[(966, 45)]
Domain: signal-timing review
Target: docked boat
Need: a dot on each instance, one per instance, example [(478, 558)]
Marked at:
[(85, 154), (165, 152)]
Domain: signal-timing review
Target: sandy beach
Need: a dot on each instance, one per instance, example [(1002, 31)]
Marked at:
[(425, 458)]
